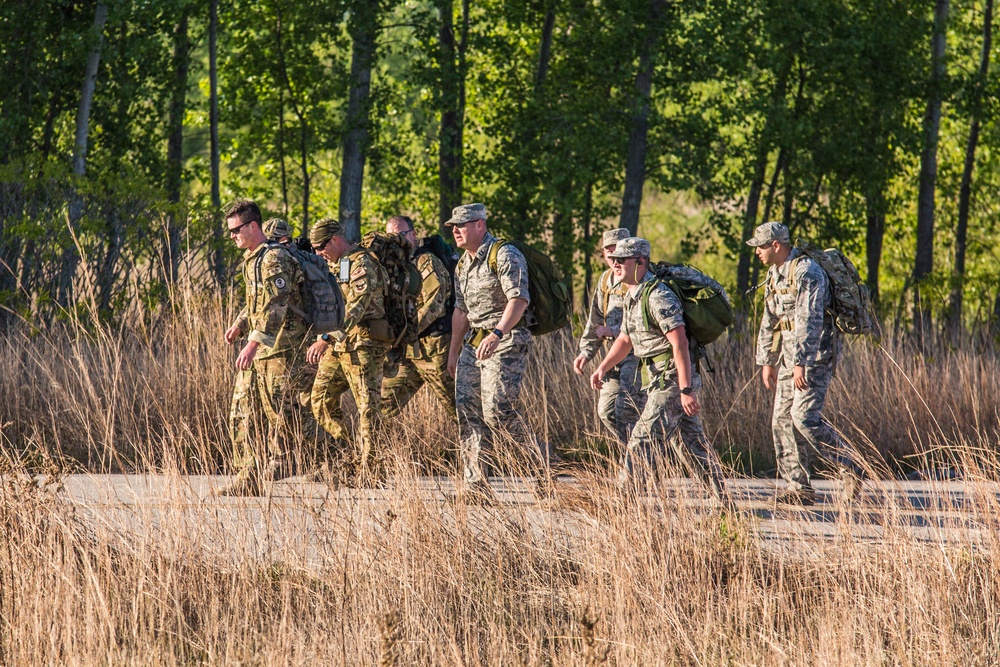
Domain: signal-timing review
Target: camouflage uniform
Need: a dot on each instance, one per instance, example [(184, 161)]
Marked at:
[(271, 398), (426, 361), (621, 398), (797, 330), (355, 361), (663, 417), (487, 391)]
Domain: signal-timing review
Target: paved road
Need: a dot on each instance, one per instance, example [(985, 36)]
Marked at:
[(308, 524)]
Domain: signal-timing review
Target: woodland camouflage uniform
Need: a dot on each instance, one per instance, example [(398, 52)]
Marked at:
[(797, 330), (426, 361), (355, 361), (271, 398)]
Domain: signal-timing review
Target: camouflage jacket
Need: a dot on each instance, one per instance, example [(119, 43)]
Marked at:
[(605, 309), (484, 294), (434, 292), (796, 327), (273, 311), (364, 297), (666, 313)]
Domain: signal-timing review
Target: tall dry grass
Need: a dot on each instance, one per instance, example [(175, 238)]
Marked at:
[(597, 578)]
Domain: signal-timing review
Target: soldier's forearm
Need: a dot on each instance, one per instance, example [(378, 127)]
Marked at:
[(512, 314)]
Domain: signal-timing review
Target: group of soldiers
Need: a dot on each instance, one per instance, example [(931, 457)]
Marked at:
[(290, 381)]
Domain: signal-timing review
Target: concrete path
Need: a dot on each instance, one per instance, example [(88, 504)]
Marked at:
[(309, 524)]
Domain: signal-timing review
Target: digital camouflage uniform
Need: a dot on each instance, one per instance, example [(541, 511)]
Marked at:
[(487, 391), (621, 398), (271, 398), (663, 417), (797, 330), (355, 361), (426, 361)]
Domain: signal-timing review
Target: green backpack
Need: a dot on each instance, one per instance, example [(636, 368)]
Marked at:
[(393, 253), (851, 306), (707, 311), (551, 300)]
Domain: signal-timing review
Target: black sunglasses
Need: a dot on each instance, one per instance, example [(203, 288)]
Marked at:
[(233, 231)]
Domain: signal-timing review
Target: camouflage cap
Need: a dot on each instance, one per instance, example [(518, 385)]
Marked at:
[(467, 213), (768, 232), (322, 231), (613, 236), (276, 229), (630, 247)]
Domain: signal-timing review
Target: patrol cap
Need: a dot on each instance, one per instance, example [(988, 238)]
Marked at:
[(613, 236), (323, 231), (631, 247), (467, 213), (276, 229), (768, 232)]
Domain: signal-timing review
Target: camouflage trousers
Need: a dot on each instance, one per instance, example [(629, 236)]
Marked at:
[(271, 410), (430, 368), (360, 372), (800, 430), (486, 397), (621, 398), (663, 420)]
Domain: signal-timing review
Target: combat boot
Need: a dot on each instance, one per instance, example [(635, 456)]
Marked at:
[(801, 497), (244, 484)]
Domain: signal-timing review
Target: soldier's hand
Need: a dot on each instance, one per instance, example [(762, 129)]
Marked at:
[(232, 333), (690, 404), (769, 376), (487, 347), (604, 331), (316, 351), (579, 363), (452, 364), (597, 379), (247, 354), (799, 378)]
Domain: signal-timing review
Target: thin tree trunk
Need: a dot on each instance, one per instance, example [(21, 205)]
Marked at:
[(217, 262), (175, 144), (875, 210), (923, 263), (965, 191), (635, 157), (304, 128), (71, 256), (281, 150), (545, 49), (451, 61), (364, 22)]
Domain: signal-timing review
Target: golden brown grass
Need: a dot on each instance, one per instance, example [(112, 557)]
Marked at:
[(599, 579)]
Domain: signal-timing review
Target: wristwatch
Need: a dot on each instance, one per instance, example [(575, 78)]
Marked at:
[(687, 391), (498, 333), (326, 338)]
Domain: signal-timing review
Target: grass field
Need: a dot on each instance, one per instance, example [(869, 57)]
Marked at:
[(663, 586)]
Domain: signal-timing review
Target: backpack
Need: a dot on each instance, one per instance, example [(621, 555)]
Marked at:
[(551, 302), (437, 246), (707, 311), (393, 252), (321, 296), (606, 290), (851, 305)]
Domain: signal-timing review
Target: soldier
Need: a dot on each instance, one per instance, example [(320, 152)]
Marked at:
[(272, 381), (797, 349), (278, 231), (671, 392), (351, 359), (426, 361), (489, 346), (621, 398)]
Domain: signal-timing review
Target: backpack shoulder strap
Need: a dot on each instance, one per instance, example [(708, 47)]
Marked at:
[(604, 286), (647, 290), (491, 256)]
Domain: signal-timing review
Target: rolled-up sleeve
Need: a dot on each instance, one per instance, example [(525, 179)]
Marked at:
[(512, 269)]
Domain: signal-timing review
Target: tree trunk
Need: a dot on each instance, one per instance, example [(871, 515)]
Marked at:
[(451, 61), (875, 210), (71, 255), (588, 249), (175, 143), (923, 263), (217, 262), (965, 191), (304, 128), (363, 25), (635, 157), (545, 49)]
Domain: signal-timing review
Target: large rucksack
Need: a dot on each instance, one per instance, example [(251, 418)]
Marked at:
[(321, 297), (551, 304), (437, 246), (707, 310), (393, 252), (851, 305)]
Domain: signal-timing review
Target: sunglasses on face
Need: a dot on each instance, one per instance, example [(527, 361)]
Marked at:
[(622, 260), (233, 231)]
